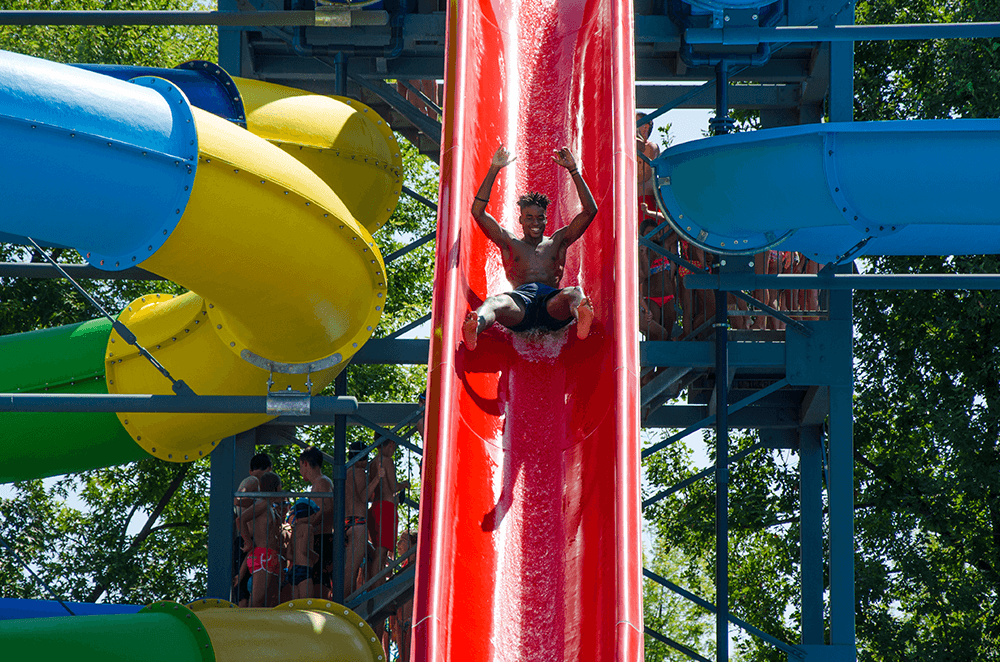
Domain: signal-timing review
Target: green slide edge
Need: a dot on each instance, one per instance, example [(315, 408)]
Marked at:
[(64, 359), (157, 634)]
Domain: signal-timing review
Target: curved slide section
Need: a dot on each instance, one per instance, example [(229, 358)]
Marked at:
[(168, 632), (530, 538), (830, 190), (282, 275)]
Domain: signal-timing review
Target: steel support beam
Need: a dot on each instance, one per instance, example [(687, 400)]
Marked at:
[(840, 282), (764, 97), (797, 34), (811, 534), (386, 414), (167, 17), (429, 127), (75, 271), (230, 463), (179, 404), (841, 489), (392, 352), (339, 483)]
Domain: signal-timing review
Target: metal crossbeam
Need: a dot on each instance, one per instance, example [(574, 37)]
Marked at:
[(735, 282), (180, 404), (708, 606), (675, 645), (76, 271), (423, 319), (166, 17), (399, 103), (749, 36), (704, 473)]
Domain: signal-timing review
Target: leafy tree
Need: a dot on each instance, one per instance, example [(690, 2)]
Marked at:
[(927, 398)]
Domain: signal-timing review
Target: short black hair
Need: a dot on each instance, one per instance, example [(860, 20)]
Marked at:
[(260, 461), (312, 456), (270, 482), (533, 198)]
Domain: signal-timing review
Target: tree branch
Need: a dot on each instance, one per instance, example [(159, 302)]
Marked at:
[(172, 488)]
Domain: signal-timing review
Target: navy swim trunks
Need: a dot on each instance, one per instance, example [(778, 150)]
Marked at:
[(535, 296)]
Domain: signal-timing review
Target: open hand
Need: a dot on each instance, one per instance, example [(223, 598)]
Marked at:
[(564, 157), (502, 158)]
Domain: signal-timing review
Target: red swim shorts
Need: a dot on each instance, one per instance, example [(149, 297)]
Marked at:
[(264, 559), (382, 524)]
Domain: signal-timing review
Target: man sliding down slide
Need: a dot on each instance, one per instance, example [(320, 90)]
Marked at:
[(534, 264)]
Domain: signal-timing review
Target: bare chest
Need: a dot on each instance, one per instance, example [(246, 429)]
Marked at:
[(542, 263)]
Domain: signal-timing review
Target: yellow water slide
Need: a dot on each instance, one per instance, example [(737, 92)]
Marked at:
[(269, 227)]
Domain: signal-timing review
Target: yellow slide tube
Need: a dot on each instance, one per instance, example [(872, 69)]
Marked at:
[(282, 275), (308, 630)]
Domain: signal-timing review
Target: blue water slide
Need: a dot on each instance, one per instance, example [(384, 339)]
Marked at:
[(15, 608), (121, 155), (206, 85), (839, 190)]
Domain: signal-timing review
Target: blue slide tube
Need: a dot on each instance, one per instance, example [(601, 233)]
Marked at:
[(121, 155), (830, 190)]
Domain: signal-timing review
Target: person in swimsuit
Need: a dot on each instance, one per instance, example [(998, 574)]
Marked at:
[(259, 465), (320, 524), (534, 264), (356, 496), (645, 181), (382, 518), (401, 622), (656, 284), (263, 544)]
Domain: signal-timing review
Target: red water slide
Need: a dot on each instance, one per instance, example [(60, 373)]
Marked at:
[(530, 519)]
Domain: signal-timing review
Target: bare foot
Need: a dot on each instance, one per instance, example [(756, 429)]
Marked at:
[(470, 329), (584, 316)]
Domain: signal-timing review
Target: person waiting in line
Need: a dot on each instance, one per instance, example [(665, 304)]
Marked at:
[(697, 306), (808, 300), (320, 527), (401, 622), (302, 554), (657, 277), (262, 543), (645, 177), (382, 517), (259, 464), (357, 492)]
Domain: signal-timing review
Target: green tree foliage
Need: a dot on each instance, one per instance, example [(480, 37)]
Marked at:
[(926, 445), (138, 45), (927, 399), (927, 79), (763, 539), (672, 615)]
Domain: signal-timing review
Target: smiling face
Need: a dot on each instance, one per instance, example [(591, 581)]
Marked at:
[(533, 222)]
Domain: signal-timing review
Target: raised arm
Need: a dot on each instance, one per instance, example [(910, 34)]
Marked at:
[(372, 485), (501, 159), (249, 484), (581, 221)]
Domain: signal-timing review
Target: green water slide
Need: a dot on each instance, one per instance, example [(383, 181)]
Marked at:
[(65, 359), (300, 630)]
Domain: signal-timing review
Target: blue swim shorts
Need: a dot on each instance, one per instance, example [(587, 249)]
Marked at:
[(536, 316)]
